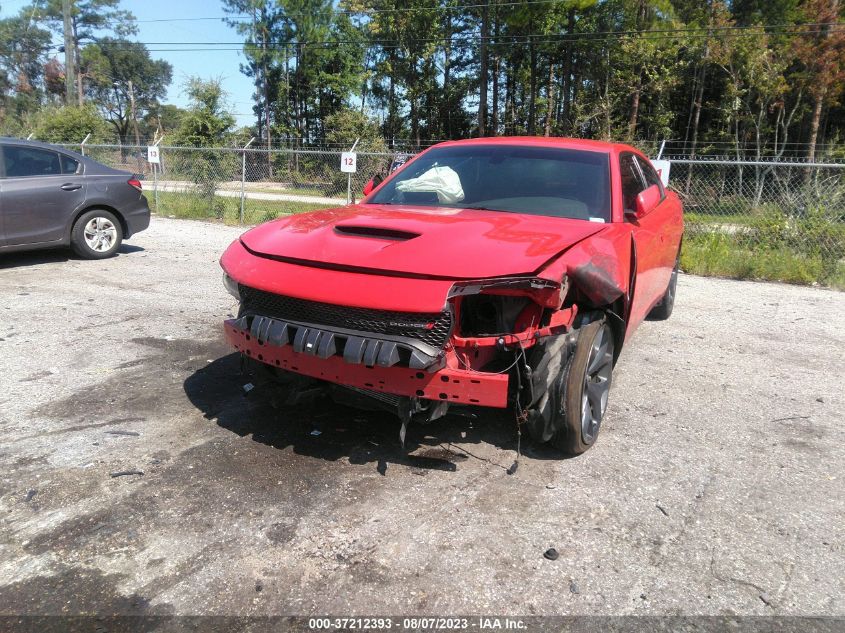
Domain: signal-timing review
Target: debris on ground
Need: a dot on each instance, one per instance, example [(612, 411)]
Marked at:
[(29, 495), (662, 509), (124, 473), (130, 433), (765, 598), (551, 554), (573, 588)]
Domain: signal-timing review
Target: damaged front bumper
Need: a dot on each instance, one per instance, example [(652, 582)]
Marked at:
[(362, 362)]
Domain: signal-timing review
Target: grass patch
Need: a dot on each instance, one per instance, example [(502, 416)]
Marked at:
[(726, 255), (738, 219), (299, 191), (801, 249), (197, 207)]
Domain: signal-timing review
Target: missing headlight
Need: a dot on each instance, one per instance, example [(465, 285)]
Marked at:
[(489, 315), (231, 287)]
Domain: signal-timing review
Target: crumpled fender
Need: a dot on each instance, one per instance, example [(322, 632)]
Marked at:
[(600, 267)]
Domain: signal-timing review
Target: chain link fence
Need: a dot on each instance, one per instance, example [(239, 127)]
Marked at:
[(769, 220), (244, 186)]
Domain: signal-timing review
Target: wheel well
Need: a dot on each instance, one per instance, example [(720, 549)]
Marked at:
[(615, 314), (104, 207)]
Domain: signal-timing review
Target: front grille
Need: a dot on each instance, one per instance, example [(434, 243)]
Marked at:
[(434, 328)]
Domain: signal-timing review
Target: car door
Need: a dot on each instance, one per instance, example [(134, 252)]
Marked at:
[(645, 231), (39, 193), (665, 221)]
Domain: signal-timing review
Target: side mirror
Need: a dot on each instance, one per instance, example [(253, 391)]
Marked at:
[(374, 182), (646, 201)]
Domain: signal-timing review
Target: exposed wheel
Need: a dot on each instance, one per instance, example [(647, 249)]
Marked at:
[(587, 383), (663, 310), (572, 388), (97, 234)]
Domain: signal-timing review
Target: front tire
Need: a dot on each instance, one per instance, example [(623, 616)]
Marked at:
[(569, 412), (97, 234), (587, 381)]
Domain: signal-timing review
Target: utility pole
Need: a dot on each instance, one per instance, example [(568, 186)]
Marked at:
[(135, 124), (132, 111), (70, 62)]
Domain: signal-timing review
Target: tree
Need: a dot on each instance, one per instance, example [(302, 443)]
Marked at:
[(262, 59), (207, 121), (161, 119), (89, 19), (23, 46), (821, 52), (345, 125), (116, 65), (749, 72)]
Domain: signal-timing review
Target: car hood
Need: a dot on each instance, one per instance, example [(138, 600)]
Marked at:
[(415, 241)]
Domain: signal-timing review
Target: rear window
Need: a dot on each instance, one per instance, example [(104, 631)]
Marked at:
[(22, 161), (510, 178)]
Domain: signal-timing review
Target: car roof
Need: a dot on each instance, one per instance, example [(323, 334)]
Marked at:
[(39, 144), (546, 141)]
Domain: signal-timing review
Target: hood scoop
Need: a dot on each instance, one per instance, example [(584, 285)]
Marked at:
[(377, 232)]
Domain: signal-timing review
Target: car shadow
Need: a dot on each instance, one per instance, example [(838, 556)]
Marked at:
[(34, 258), (53, 256), (330, 431), (127, 249)]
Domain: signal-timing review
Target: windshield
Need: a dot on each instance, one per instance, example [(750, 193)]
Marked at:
[(517, 179)]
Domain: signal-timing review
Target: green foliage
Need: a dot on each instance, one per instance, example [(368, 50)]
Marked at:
[(23, 47), (722, 255), (346, 125), (776, 245), (164, 118), (207, 121), (112, 65), (71, 124), (89, 17)]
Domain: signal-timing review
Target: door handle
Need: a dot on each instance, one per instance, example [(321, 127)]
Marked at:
[(71, 186)]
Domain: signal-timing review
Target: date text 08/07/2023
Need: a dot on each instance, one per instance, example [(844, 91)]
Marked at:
[(480, 623)]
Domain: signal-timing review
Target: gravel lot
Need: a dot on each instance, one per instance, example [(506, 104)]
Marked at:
[(716, 486)]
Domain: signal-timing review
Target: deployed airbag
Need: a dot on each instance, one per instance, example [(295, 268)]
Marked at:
[(443, 181)]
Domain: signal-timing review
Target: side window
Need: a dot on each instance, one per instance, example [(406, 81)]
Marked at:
[(632, 183), (29, 161), (651, 177), (69, 165)]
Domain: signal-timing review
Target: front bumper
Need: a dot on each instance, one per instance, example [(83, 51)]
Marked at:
[(456, 386)]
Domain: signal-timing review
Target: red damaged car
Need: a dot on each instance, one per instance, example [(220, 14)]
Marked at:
[(493, 272)]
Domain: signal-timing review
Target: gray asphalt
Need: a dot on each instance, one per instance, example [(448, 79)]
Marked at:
[(716, 486)]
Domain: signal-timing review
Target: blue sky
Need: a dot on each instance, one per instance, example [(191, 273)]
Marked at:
[(206, 64)]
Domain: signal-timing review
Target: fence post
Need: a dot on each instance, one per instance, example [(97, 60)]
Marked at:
[(82, 144), (349, 175), (660, 153), (155, 173), (243, 179)]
